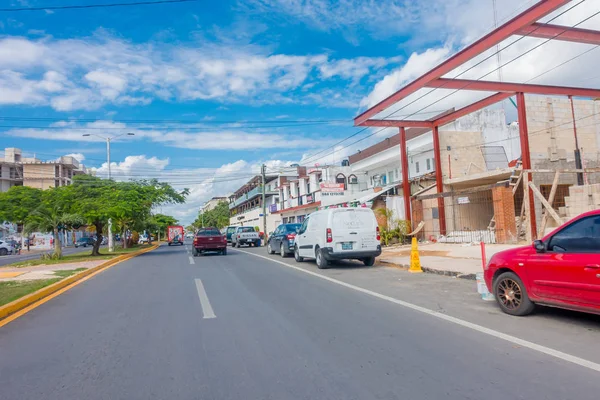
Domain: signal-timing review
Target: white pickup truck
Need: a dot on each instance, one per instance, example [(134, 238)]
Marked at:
[(245, 235)]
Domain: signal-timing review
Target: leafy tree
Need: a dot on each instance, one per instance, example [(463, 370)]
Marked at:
[(217, 217), (53, 214), (160, 223), (17, 204)]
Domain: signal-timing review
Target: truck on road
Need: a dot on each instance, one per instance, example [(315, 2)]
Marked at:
[(175, 235), (245, 235), (209, 239)]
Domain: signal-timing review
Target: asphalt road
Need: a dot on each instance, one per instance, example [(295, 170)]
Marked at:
[(13, 258), (168, 326)]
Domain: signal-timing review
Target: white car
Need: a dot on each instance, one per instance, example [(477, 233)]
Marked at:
[(6, 248), (339, 234)]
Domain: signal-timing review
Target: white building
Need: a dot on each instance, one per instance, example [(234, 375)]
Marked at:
[(212, 203), (245, 204)]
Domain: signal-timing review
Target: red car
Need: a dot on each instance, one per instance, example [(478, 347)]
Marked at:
[(209, 239), (561, 270)]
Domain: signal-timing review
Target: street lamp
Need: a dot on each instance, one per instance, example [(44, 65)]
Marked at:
[(111, 245)]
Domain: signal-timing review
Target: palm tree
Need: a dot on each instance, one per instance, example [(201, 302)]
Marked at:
[(55, 219)]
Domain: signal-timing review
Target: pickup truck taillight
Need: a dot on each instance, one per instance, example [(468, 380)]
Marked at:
[(291, 236), (329, 236), (195, 241)]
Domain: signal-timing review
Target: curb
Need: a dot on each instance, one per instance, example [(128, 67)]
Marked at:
[(453, 274), (32, 298)]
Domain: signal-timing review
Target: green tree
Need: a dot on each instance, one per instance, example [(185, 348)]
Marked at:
[(161, 222), (217, 217), (54, 214), (17, 204)]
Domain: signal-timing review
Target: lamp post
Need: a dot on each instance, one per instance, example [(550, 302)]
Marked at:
[(111, 244)]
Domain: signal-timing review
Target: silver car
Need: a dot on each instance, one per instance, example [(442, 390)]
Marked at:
[(6, 248)]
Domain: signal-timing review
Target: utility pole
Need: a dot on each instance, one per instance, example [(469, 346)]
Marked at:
[(111, 244), (264, 205)]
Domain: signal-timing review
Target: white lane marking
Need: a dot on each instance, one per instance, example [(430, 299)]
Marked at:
[(509, 338), (207, 309), (192, 260)]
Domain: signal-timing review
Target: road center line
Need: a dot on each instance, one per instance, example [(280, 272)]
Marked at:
[(204, 302), (482, 329), (192, 260)]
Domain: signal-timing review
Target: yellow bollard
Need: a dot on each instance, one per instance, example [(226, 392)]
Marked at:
[(415, 262)]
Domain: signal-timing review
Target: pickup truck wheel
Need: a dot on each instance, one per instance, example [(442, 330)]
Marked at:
[(282, 251), (297, 255), (369, 261), (511, 295), (169, 244), (224, 251), (194, 252), (322, 263)]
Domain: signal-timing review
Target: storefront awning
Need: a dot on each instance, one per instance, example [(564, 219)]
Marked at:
[(372, 196)]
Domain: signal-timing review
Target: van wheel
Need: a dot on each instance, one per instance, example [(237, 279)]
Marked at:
[(297, 255), (369, 261), (322, 263), (512, 295)]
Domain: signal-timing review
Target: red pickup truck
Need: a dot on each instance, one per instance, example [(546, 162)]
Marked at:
[(209, 239)]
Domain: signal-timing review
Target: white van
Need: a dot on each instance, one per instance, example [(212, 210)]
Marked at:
[(338, 234)]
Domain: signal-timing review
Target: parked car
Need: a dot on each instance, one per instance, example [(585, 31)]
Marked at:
[(209, 239), (560, 270), (282, 239), (338, 234), (85, 242), (245, 235), (6, 248), (229, 232), (104, 240)]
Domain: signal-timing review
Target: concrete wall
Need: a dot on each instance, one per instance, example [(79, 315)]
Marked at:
[(466, 157), (39, 176)]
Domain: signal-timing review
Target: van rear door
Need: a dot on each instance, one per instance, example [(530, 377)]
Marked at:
[(353, 229)]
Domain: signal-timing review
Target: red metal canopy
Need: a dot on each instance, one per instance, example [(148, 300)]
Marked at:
[(524, 24)]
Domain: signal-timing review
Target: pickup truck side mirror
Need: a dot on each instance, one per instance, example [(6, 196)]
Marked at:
[(539, 246)]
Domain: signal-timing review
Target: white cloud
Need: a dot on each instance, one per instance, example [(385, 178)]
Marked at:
[(72, 74), (78, 156), (197, 136)]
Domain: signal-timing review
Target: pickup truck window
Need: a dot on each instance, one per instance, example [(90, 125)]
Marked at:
[(209, 232), (247, 229)]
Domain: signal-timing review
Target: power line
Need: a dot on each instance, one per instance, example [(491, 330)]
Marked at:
[(84, 6)]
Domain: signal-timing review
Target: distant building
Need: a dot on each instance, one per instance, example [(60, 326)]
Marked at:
[(245, 204), (212, 203), (16, 170)]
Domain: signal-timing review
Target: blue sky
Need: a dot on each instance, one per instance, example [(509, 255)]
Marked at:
[(213, 89)]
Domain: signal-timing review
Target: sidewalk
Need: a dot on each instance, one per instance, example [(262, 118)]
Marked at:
[(42, 271), (463, 260)]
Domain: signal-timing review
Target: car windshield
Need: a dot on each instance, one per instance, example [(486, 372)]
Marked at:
[(230, 230), (247, 229), (209, 232)]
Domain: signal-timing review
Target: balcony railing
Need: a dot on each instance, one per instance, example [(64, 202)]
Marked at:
[(257, 191)]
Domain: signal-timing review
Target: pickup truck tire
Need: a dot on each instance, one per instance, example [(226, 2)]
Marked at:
[(169, 244), (322, 263), (194, 252), (224, 251), (297, 255)]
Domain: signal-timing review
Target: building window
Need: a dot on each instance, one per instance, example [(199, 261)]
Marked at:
[(396, 173), (428, 164), (417, 166), (307, 187), (352, 179), (341, 178)]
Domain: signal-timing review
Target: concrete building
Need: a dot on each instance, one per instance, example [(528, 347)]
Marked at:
[(16, 170), (245, 204), (212, 203)]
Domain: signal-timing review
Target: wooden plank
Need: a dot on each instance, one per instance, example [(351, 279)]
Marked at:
[(549, 208), (550, 200), (528, 235), (564, 171), (517, 184)]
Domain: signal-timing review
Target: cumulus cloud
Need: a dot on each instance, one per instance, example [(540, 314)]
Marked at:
[(78, 156), (87, 73)]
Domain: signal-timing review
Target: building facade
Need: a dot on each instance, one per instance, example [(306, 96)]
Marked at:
[(212, 203), (16, 170), (245, 204)]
